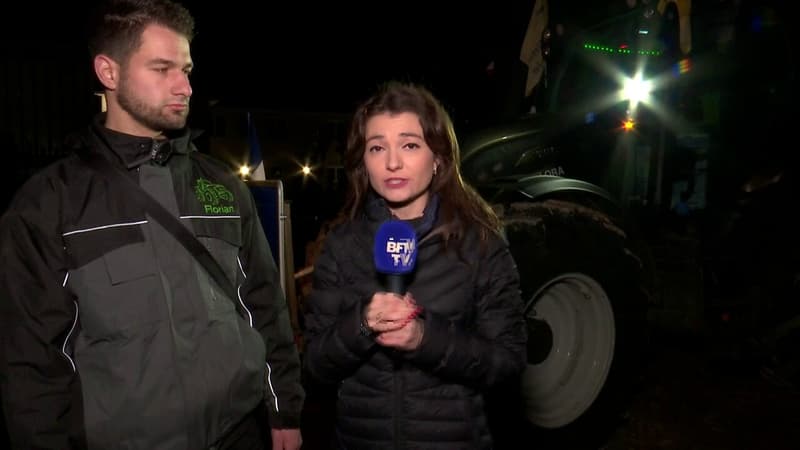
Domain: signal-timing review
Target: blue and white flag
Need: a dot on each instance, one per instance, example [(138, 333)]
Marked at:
[(256, 162)]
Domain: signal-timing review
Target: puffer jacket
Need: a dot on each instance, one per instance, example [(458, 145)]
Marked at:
[(474, 338)]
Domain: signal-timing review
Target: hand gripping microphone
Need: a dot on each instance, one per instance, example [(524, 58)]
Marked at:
[(395, 253)]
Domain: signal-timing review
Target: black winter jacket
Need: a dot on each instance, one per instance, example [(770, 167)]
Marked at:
[(474, 338), (112, 334)]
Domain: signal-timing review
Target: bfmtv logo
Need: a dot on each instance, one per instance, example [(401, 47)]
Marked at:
[(401, 251)]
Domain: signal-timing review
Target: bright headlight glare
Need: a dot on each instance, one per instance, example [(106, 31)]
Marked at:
[(636, 89)]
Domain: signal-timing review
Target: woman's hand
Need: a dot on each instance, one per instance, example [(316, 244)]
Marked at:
[(393, 319), (406, 338)]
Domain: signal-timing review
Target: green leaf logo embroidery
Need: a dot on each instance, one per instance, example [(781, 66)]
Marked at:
[(210, 195)]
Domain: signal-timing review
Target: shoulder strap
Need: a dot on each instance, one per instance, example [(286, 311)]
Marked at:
[(151, 206)]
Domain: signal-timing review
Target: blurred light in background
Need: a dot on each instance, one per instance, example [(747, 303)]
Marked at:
[(636, 90)]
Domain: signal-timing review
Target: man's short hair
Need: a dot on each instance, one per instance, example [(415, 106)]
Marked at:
[(116, 26)]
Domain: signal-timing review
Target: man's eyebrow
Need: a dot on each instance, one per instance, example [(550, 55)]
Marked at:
[(167, 62), (161, 61)]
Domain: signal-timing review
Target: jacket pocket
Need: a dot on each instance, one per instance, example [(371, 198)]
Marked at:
[(119, 291), (129, 264)]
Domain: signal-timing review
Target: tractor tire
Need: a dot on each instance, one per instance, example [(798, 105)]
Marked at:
[(586, 295)]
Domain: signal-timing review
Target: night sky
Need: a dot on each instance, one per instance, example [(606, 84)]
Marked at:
[(299, 56), (329, 59)]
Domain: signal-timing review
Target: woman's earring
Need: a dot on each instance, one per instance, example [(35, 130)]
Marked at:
[(434, 170)]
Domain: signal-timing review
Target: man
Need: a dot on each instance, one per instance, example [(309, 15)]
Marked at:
[(112, 334)]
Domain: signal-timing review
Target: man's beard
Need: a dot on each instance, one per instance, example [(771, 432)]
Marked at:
[(154, 118)]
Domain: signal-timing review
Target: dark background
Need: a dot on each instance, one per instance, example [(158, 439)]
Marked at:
[(297, 55)]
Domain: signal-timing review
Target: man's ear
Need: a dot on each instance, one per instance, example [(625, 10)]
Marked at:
[(107, 71)]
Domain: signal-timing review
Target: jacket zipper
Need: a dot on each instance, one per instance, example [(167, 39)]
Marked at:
[(399, 389)]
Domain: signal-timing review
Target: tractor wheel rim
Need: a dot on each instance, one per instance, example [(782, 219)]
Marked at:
[(566, 383)]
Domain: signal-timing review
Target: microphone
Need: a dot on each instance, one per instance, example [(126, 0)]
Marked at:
[(395, 253)]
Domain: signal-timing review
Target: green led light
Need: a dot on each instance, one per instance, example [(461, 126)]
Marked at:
[(620, 50)]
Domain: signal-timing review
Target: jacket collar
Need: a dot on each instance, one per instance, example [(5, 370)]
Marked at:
[(376, 211), (133, 151)]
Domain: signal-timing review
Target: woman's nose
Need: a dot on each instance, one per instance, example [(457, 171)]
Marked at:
[(394, 160)]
